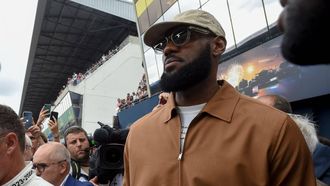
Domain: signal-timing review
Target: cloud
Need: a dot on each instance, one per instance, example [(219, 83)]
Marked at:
[(8, 87)]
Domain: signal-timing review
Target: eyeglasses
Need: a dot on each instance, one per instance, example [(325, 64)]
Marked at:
[(42, 166), (179, 37)]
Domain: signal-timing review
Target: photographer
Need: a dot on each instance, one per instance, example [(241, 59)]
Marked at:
[(107, 161)]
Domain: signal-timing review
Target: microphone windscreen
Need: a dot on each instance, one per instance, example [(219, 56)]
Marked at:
[(101, 136)]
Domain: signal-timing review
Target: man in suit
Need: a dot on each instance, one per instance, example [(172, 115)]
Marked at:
[(52, 163)]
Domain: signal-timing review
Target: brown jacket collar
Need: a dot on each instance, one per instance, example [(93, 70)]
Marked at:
[(221, 105)]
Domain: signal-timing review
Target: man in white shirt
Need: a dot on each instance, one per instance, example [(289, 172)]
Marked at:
[(14, 170)]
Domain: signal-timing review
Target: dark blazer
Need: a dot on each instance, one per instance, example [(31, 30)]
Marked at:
[(74, 182), (321, 159)]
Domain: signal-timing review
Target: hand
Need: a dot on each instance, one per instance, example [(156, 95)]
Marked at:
[(53, 126), (35, 131), (94, 181), (42, 115)]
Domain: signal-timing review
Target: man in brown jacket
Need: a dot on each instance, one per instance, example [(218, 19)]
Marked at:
[(207, 133)]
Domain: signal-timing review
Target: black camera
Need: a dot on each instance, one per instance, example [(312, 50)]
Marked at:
[(107, 160)]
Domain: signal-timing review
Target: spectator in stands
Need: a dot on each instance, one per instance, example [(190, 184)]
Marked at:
[(119, 105), (52, 162), (306, 31), (307, 127), (76, 141), (206, 123), (69, 81), (123, 104), (135, 97), (14, 170), (129, 99), (80, 77)]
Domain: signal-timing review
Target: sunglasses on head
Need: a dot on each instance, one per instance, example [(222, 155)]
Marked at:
[(179, 37)]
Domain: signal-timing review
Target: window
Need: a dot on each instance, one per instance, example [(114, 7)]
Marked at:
[(171, 12), (248, 18), (154, 11), (219, 9), (152, 67), (273, 10), (188, 5)]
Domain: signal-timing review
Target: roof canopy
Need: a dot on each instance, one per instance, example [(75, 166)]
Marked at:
[(67, 38)]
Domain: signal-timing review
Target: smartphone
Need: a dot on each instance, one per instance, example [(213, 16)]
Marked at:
[(27, 118), (47, 107), (55, 114)]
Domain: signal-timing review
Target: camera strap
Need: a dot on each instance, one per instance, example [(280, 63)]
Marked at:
[(75, 169)]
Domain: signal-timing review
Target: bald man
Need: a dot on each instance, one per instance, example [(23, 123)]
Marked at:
[(52, 163)]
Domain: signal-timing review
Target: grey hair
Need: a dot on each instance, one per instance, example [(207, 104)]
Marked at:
[(307, 127)]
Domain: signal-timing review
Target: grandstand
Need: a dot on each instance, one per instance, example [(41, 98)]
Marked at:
[(68, 37)]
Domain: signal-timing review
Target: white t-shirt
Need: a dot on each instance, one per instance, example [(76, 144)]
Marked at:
[(27, 177), (187, 114)]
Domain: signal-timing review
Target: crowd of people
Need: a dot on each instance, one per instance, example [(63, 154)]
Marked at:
[(75, 79), (134, 97), (46, 162), (202, 125)]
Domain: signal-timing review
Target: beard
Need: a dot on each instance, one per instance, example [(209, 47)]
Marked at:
[(83, 158), (188, 75)]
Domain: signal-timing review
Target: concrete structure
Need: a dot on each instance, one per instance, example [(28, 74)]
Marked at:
[(118, 76), (120, 8)]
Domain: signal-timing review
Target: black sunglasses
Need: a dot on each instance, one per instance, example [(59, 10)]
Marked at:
[(42, 166), (179, 37)]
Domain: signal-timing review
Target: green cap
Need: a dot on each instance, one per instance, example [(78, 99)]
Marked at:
[(198, 18)]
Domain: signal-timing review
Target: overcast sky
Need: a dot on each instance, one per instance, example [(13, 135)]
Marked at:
[(17, 21)]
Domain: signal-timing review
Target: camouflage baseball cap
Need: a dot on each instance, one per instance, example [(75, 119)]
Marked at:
[(198, 18)]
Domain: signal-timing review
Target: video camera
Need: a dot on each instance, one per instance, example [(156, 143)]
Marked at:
[(107, 160)]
